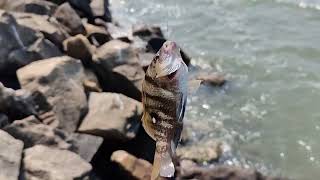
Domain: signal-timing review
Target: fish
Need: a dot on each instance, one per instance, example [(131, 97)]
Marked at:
[(164, 98)]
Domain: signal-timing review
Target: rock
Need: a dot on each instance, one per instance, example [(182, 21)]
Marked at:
[(100, 9), (57, 1), (112, 116), (79, 47), (59, 79), (154, 44), (4, 121), (32, 132), (91, 82), (213, 79), (223, 173), (193, 86), (49, 27), (115, 53), (97, 35), (41, 162), (16, 104), (10, 156), (133, 72), (137, 168), (70, 19), (21, 45), (116, 31), (29, 6), (146, 32), (145, 60), (85, 145), (200, 152)]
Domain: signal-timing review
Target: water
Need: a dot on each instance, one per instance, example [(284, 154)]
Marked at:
[(270, 51)]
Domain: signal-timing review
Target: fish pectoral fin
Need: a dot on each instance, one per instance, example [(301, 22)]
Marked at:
[(162, 165), (148, 125)]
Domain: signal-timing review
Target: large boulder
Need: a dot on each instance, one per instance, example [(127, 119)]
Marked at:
[(112, 115), (29, 6), (70, 19), (41, 162), (59, 79), (133, 72), (10, 156), (97, 35), (138, 168), (21, 45), (100, 9)]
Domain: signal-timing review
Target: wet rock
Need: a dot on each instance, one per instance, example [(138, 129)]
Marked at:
[(4, 121), (30, 6), (10, 156), (32, 132), (223, 173), (85, 145), (155, 43), (137, 168), (21, 45), (213, 79), (79, 47), (112, 116), (70, 19), (59, 79), (146, 32), (41, 162), (200, 152), (133, 72), (97, 35), (115, 53)]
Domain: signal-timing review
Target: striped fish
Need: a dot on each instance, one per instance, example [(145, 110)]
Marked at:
[(164, 97)]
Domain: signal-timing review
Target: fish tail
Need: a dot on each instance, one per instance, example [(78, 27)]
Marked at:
[(162, 164)]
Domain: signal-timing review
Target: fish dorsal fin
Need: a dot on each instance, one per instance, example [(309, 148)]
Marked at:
[(148, 125)]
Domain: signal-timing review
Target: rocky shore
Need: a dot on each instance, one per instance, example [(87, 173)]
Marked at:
[(70, 96)]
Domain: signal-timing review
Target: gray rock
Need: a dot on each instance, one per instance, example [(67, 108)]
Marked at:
[(41, 162), (112, 115), (115, 53), (59, 79), (32, 132), (85, 145), (21, 45), (10, 156), (133, 72), (100, 9), (97, 35), (30, 6), (70, 19)]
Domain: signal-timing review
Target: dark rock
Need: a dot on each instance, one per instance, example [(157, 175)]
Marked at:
[(16, 104), (213, 79), (79, 47), (137, 168), (57, 1), (97, 35), (29, 6), (41, 162), (4, 121), (70, 19), (21, 45), (146, 32), (154, 44), (112, 116), (10, 156), (59, 79)]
